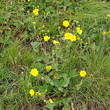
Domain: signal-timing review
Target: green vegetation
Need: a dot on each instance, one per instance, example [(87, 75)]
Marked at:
[(54, 55)]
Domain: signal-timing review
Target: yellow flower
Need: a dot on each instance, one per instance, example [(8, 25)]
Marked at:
[(65, 23), (43, 26), (107, 32), (57, 35), (42, 30), (48, 30), (79, 38), (68, 29), (50, 100), (70, 36), (22, 72), (72, 23), (31, 92), (39, 93), (48, 68), (55, 42), (46, 38), (104, 32), (47, 13), (77, 22), (73, 38), (79, 31), (33, 22), (34, 27), (53, 37), (55, 76), (53, 51), (35, 11), (28, 0), (34, 72), (11, 2), (44, 100), (67, 35), (82, 73), (81, 41), (108, 16), (46, 90), (28, 11), (59, 27), (78, 28)]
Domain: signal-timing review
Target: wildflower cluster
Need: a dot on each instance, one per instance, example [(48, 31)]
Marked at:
[(46, 38), (50, 57), (50, 76), (106, 33), (79, 30), (48, 79), (40, 94), (70, 36)]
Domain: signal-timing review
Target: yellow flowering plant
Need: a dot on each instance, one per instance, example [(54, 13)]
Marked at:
[(67, 35), (82, 73), (66, 23), (50, 100), (31, 92), (79, 31), (55, 42), (70, 36), (48, 67), (34, 72), (46, 38), (49, 58), (54, 76), (36, 11)]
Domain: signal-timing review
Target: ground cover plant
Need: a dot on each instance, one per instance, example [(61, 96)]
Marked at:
[(54, 55)]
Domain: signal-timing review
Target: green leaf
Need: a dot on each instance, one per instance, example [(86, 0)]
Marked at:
[(62, 75), (66, 108), (49, 80), (43, 88), (27, 20), (63, 100), (58, 83), (67, 3), (72, 74), (66, 82), (40, 66), (50, 106), (39, 59), (35, 46), (48, 1)]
